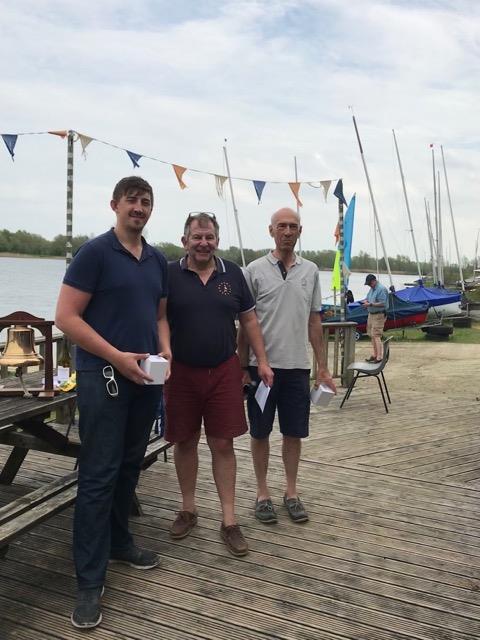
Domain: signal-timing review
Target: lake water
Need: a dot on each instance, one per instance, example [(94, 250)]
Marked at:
[(32, 284)]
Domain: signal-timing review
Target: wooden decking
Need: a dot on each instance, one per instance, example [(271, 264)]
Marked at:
[(392, 550)]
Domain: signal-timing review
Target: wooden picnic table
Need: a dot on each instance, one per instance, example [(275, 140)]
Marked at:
[(24, 425)]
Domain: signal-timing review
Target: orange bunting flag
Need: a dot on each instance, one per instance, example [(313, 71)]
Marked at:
[(336, 233), (62, 134), (295, 187), (179, 171)]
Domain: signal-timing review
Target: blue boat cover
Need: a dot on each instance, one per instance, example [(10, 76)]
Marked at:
[(398, 308), (433, 296)]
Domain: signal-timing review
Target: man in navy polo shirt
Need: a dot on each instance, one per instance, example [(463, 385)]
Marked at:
[(206, 295), (112, 305)]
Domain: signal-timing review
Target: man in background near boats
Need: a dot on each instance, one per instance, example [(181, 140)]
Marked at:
[(376, 304), (112, 305), (206, 295), (287, 294)]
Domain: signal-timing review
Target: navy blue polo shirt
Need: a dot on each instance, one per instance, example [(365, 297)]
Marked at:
[(202, 316), (125, 292)]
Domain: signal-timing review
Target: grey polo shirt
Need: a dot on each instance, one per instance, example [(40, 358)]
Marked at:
[(283, 307)]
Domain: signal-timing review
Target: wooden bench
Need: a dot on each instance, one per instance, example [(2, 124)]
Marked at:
[(25, 512)]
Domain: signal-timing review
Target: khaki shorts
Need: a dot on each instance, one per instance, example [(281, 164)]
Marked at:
[(375, 324)]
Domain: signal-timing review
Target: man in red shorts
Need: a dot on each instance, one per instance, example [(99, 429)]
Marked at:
[(206, 295)]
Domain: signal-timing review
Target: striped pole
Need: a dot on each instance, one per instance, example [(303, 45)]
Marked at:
[(341, 248), (68, 244)]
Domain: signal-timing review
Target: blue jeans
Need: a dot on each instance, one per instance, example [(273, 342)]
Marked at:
[(114, 433)]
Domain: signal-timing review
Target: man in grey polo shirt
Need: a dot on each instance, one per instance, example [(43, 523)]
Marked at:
[(287, 296)]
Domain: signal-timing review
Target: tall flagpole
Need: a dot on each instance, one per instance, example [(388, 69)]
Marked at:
[(453, 221), (407, 205), (69, 211), (298, 207), (375, 213), (235, 211)]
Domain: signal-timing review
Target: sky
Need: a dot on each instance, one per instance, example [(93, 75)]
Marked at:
[(276, 79)]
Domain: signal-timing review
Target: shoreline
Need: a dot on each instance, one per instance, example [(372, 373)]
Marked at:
[(29, 255)]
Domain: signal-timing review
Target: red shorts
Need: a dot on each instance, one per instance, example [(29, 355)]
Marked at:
[(216, 395)]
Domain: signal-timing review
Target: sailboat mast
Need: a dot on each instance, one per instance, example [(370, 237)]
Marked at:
[(407, 205), (375, 213), (441, 275), (453, 222), (435, 218), (430, 241), (298, 207)]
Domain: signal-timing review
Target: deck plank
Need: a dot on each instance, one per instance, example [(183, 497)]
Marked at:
[(391, 552)]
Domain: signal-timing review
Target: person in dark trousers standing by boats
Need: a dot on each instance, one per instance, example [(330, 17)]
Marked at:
[(376, 304), (286, 291), (207, 294), (112, 305)]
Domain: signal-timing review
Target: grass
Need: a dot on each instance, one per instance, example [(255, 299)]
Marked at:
[(460, 335)]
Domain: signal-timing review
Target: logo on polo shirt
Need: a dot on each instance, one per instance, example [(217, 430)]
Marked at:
[(224, 288)]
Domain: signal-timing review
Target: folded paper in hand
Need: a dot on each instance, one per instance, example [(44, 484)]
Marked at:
[(261, 395)]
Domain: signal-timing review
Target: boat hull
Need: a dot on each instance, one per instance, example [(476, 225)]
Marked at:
[(400, 314)]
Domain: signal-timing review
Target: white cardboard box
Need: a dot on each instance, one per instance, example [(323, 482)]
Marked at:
[(156, 367), (321, 396)]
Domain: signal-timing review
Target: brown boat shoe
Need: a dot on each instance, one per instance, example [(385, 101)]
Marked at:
[(233, 538), (183, 524)]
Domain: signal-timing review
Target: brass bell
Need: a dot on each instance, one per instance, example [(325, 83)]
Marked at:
[(20, 348)]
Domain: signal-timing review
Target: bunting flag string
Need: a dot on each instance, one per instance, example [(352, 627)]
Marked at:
[(84, 141), (338, 192), (326, 186), (219, 182), (295, 187), (179, 171), (259, 187), (10, 141), (62, 134), (134, 157)]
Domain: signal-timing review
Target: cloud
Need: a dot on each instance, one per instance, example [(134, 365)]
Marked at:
[(274, 78)]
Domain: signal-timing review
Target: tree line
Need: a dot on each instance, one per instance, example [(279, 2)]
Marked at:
[(24, 243)]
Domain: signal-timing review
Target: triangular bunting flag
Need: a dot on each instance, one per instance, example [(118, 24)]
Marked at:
[(179, 171), (10, 140), (84, 141), (259, 186), (339, 192), (295, 187), (134, 157), (336, 233), (336, 281), (62, 134), (219, 182), (326, 186)]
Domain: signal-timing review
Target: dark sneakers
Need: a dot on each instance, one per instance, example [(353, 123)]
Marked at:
[(233, 538), (265, 511), (183, 524), (295, 509), (87, 613), (137, 558)]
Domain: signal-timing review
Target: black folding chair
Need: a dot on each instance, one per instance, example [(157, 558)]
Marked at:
[(369, 369)]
